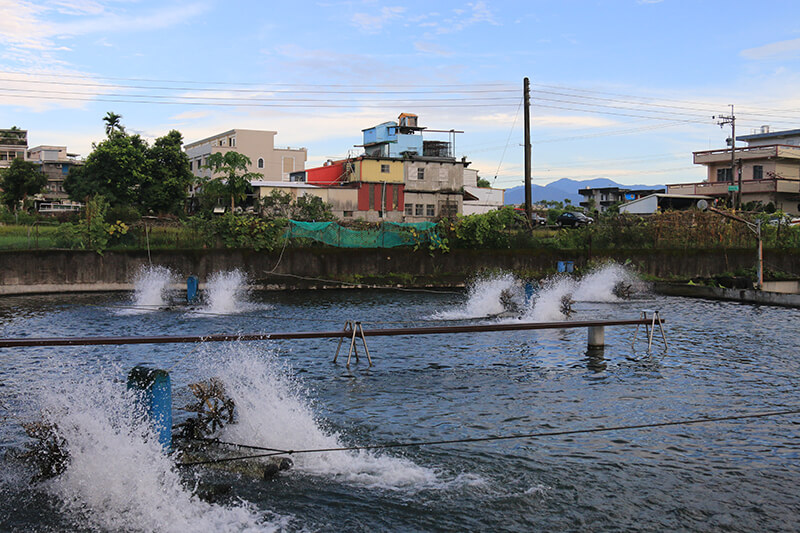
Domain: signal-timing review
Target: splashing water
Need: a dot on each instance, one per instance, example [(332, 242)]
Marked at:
[(491, 296), (151, 287), (227, 293), (599, 284), (484, 298), (547, 304), (118, 478), (274, 412)]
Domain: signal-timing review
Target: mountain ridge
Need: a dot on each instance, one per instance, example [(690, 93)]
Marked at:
[(565, 188)]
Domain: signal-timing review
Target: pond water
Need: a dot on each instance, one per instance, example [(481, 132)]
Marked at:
[(723, 359)]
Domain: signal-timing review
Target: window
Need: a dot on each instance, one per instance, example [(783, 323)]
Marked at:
[(371, 196), (409, 209), (430, 210), (384, 169), (420, 173), (724, 174), (758, 172), (260, 162), (232, 141), (347, 214), (418, 209)]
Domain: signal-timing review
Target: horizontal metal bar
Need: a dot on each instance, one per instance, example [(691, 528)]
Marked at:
[(436, 330)]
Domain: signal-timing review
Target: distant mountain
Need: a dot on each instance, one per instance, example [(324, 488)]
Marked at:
[(565, 188)]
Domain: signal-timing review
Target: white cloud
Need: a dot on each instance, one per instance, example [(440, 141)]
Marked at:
[(772, 50), (370, 23), (427, 47)]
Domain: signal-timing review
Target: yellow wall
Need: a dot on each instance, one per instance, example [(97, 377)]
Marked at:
[(370, 171)]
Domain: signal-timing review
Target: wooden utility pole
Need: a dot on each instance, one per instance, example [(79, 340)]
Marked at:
[(526, 90)]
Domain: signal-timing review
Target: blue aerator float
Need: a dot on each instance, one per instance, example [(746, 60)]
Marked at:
[(154, 389), (191, 288)]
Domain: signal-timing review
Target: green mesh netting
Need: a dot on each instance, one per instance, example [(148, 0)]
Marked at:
[(389, 235)]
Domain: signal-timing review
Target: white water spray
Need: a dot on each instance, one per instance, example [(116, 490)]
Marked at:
[(118, 478), (484, 298), (490, 296), (151, 289), (227, 293), (273, 411)]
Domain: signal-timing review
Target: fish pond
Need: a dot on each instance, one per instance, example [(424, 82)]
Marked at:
[(479, 392)]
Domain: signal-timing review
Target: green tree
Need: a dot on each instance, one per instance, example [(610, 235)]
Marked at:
[(484, 183), (129, 173), (310, 208), (116, 169), (113, 124), (166, 176), (18, 181), (233, 169)]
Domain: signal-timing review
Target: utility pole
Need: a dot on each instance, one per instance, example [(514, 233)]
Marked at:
[(526, 90), (723, 120)]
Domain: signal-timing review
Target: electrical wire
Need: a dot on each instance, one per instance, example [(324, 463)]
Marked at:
[(274, 452)]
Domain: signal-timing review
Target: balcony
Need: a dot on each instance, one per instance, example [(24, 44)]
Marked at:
[(720, 188), (751, 152)]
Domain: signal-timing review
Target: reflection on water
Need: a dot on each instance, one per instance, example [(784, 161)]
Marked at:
[(724, 358)]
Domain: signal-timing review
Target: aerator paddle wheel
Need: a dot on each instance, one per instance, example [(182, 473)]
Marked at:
[(214, 408), (48, 451)]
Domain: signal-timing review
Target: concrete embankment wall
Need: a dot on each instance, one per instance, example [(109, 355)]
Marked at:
[(750, 296), (65, 270)]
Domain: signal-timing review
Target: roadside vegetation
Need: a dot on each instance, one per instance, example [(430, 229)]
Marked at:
[(135, 196)]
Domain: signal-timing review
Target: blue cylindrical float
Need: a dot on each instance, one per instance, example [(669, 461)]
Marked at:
[(191, 288), (155, 392)]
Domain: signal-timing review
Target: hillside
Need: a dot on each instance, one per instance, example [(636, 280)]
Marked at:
[(565, 188)]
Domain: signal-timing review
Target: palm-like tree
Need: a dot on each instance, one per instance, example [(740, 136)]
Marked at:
[(112, 121)]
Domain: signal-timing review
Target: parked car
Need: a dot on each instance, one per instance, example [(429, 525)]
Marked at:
[(573, 219), (538, 220)]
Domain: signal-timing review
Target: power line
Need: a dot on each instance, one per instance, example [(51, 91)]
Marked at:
[(271, 452)]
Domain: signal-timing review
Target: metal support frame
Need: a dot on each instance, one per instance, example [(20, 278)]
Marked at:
[(650, 328), (353, 329)]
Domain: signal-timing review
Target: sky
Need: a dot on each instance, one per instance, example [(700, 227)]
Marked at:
[(620, 89)]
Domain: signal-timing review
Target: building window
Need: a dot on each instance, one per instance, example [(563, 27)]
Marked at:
[(430, 210), (260, 162), (418, 209), (409, 209), (232, 141), (724, 174), (420, 173), (384, 169), (758, 172), (371, 197), (347, 214)]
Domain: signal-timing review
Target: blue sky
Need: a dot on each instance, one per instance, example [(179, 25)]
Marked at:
[(621, 89)]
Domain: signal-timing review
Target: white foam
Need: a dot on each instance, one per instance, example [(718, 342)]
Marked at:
[(118, 478)]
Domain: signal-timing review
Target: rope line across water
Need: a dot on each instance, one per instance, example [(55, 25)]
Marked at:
[(275, 452)]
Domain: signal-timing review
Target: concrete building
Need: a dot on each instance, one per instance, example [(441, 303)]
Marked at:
[(55, 162), (769, 167), (480, 200), (399, 178), (655, 203), (602, 198), (275, 164), (13, 145)]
